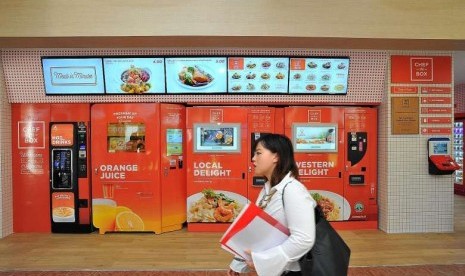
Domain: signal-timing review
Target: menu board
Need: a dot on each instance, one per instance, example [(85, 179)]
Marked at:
[(134, 75), (73, 76), (318, 75), (258, 74), (196, 75)]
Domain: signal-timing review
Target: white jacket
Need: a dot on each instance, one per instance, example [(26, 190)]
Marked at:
[(298, 216)]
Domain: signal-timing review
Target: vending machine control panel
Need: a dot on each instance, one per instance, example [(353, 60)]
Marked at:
[(82, 149), (357, 143), (440, 160)]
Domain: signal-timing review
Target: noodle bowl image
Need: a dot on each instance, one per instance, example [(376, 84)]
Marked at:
[(330, 208), (212, 206), (334, 205)]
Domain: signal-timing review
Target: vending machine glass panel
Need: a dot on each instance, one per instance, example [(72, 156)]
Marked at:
[(315, 137), (62, 170), (217, 138), (126, 137), (173, 141)]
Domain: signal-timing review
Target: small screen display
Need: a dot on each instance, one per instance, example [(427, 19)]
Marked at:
[(217, 138), (440, 148), (315, 137), (196, 75)]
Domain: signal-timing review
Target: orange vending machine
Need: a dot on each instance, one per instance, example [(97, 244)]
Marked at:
[(137, 161), (335, 149), (217, 164), (261, 120)]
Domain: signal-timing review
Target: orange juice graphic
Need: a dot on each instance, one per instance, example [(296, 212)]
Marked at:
[(104, 213)]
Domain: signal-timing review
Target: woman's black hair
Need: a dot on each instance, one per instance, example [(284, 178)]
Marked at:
[(282, 146)]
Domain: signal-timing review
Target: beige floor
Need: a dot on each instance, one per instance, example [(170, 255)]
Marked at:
[(182, 250)]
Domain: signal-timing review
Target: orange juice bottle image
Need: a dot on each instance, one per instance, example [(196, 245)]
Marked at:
[(104, 213)]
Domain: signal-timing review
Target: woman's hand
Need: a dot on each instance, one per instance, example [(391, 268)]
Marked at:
[(232, 273), (250, 263)]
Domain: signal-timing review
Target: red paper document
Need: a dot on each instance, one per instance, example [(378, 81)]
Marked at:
[(254, 230)]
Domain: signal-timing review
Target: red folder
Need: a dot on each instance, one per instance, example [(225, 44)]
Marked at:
[(253, 229)]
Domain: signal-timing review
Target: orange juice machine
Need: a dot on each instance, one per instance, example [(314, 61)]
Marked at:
[(217, 164), (70, 206), (335, 150), (138, 175)]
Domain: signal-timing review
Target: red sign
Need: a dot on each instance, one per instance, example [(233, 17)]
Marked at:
[(436, 110), (429, 69), (236, 64), (31, 134), (404, 90), (436, 100), (436, 130), (297, 64), (436, 90), (62, 135), (314, 116), (436, 120)]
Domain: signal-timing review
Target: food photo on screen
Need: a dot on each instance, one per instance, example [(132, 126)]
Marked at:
[(315, 137), (133, 75), (196, 75)]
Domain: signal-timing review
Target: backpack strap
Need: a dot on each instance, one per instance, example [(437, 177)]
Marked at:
[(318, 212)]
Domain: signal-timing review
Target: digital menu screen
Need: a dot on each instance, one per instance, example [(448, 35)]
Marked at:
[(258, 74), (196, 74), (134, 75), (217, 137), (315, 137), (318, 75), (73, 76)]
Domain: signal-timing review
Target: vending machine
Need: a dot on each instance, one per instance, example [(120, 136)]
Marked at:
[(457, 152), (69, 199), (335, 150), (217, 166), (138, 171)]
